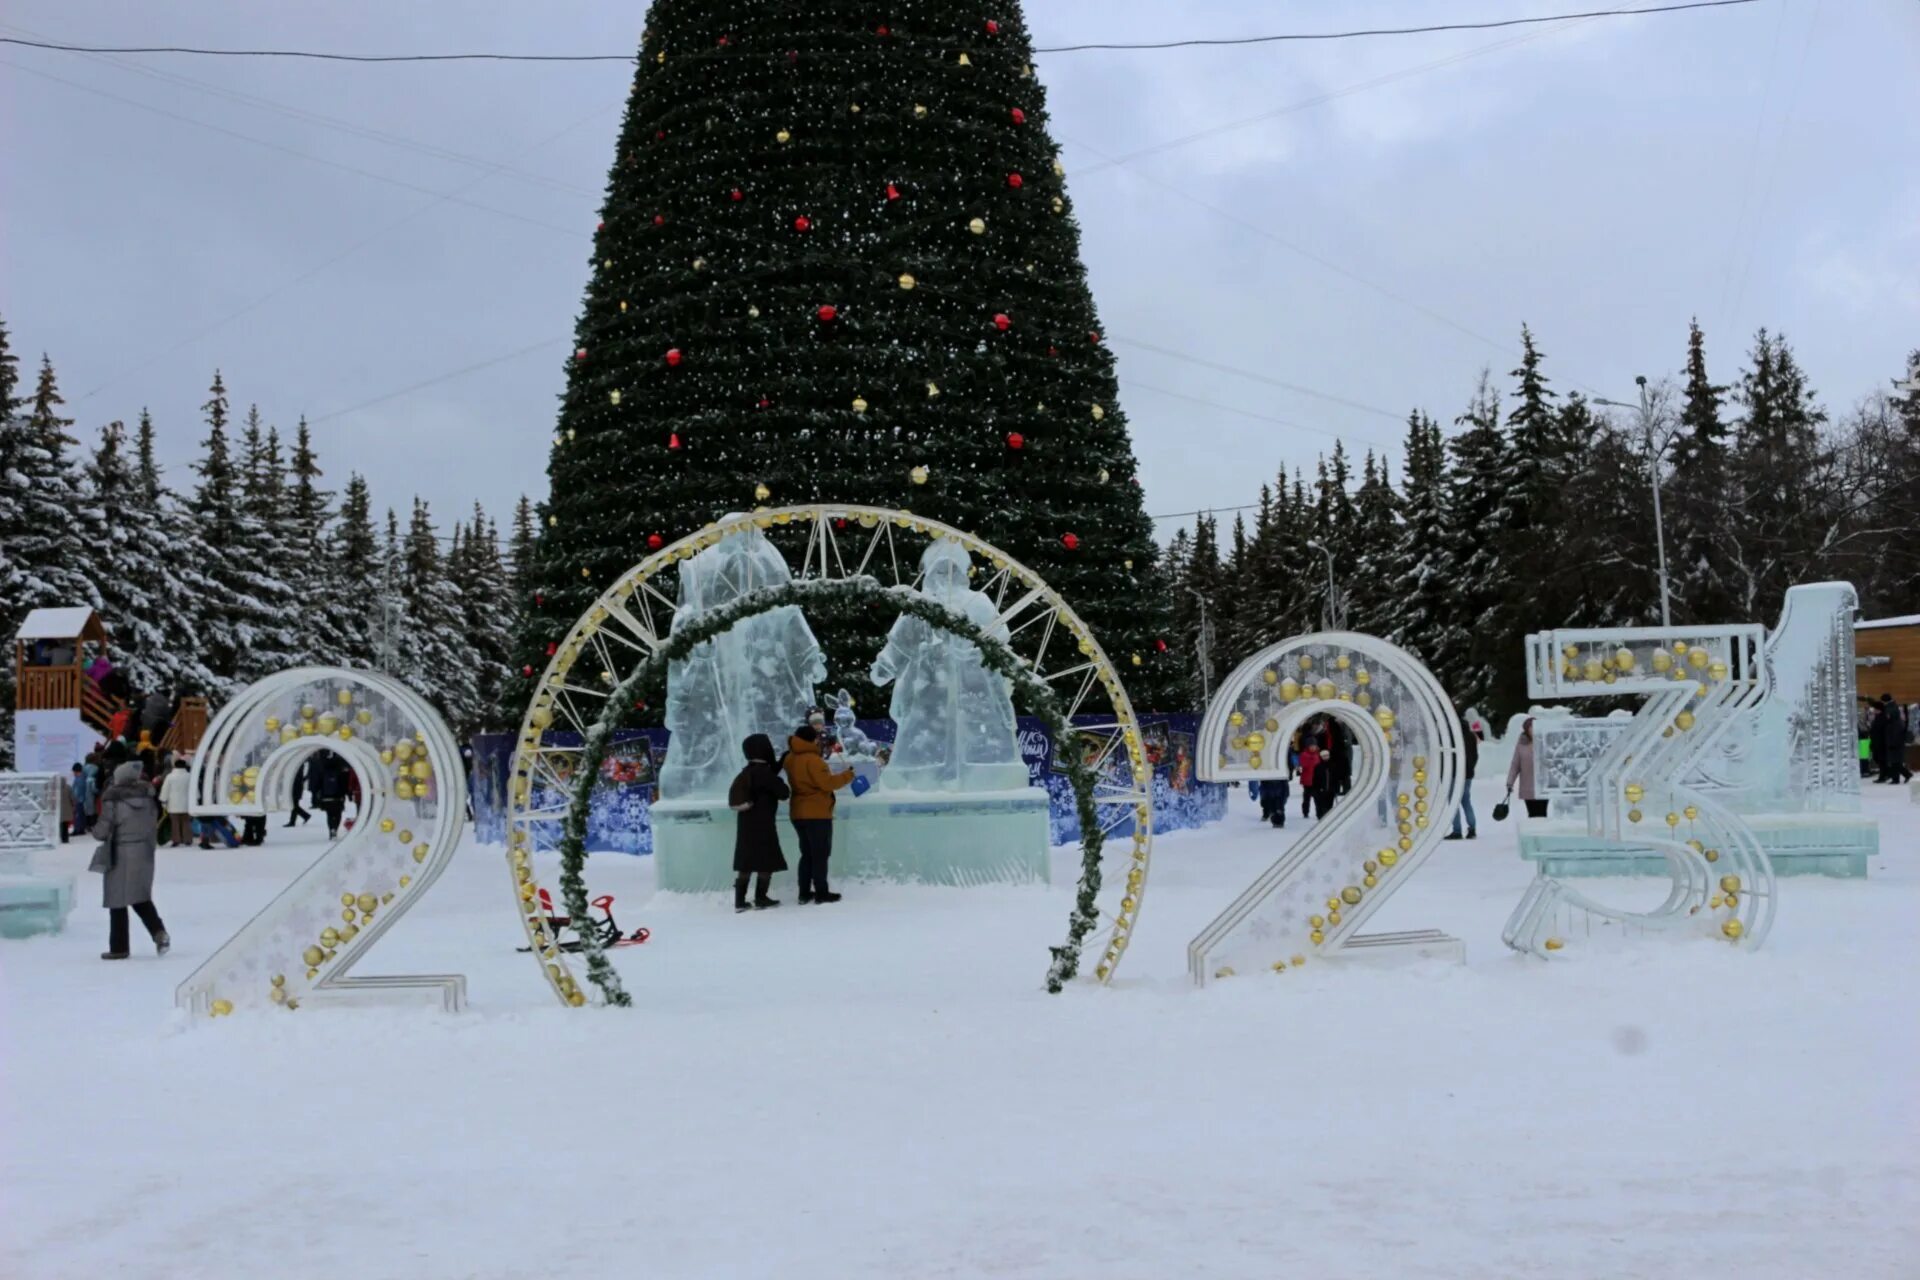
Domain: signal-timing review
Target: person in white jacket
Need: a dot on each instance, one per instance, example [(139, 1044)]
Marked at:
[(175, 799)]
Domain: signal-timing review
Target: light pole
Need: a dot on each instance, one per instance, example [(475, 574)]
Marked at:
[(1333, 617), (1204, 648), (1646, 410)]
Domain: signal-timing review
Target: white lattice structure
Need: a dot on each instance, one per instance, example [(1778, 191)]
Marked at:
[(412, 807), (1406, 779), (30, 903), (632, 619), (1698, 683)]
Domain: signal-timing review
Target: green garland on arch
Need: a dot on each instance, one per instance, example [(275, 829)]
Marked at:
[(996, 655)]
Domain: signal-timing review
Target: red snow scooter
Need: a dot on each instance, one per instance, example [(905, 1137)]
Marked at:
[(609, 932)]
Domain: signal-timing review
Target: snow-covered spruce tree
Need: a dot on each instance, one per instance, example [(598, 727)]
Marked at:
[(132, 599), (177, 565), (12, 521), (358, 570), (323, 619), (1895, 580), (47, 552), (837, 259), (1484, 581), (270, 605), (520, 556), (226, 616), (1428, 622), (1374, 584), (1602, 541), (486, 612), (434, 658), (1785, 515), (1699, 499)]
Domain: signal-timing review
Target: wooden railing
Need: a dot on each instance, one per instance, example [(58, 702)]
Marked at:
[(188, 727), (96, 707), (48, 688)]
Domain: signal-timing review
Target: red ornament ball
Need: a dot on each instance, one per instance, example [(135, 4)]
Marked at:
[(725, 41), (1053, 351), (602, 226), (526, 670), (673, 441), (893, 192), (1094, 337), (1160, 646), (655, 542), (552, 648), (765, 403), (1003, 322), (883, 31), (1015, 440), (1071, 541), (993, 28), (828, 313), (581, 354), (803, 223), (738, 195), (1019, 116), (1015, 181), (673, 357), (659, 220), (538, 598)]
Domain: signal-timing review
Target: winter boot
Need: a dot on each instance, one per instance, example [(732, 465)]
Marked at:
[(162, 943), (740, 895), (114, 955), (826, 897)]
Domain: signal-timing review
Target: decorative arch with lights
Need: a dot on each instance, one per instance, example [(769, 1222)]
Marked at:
[(1406, 780), (864, 555), (413, 803)]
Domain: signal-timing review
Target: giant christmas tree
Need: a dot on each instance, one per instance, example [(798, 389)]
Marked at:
[(837, 261)]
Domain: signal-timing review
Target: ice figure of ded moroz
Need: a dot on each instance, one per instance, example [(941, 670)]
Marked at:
[(953, 719), (757, 677)]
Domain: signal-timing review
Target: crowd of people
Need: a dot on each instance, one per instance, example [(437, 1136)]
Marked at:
[(1886, 730)]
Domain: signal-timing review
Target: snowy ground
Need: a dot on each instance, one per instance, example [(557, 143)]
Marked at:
[(881, 1089)]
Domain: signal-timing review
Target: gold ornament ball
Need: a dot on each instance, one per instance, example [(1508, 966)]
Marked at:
[(363, 717), (1662, 660), (1697, 657), (1718, 671), (1692, 812), (1684, 720), (933, 391), (1099, 413), (783, 137), (1554, 944), (1635, 792), (1270, 676), (1289, 690), (1369, 881), (907, 281), (1714, 902), (1624, 660), (1350, 895), (221, 1008), (1363, 677), (978, 226), (1730, 884), (761, 492), (1316, 921), (386, 824), (1306, 662), (1343, 662), (918, 475), (1711, 855), (313, 956), (1316, 937), (419, 853), (1593, 670), (367, 902), (1634, 815), (273, 724), (1388, 857), (1324, 690), (1333, 917), (277, 994), (1733, 929)]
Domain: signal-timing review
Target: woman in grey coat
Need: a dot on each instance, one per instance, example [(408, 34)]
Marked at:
[(128, 829)]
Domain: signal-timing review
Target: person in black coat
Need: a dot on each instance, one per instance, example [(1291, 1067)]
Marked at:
[(328, 775), (300, 784), (755, 798), (1470, 753), (1889, 741)]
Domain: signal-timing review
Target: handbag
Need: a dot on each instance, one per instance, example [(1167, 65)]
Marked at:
[(1501, 810)]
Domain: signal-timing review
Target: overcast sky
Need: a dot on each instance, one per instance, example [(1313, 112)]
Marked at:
[(399, 251)]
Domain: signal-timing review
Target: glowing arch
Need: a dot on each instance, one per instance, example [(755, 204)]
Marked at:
[(629, 625), (1405, 786), (413, 805)]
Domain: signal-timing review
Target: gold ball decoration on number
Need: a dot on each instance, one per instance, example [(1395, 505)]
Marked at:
[(1306, 662), (386, 824), (1363, 677), (221, 1008), (1369, 881), (1270, 676), (1692, 812), (422, 770), (1733, 929), (1635, 792), (1316, 921), (346, 899), (1684, 720), (1662, 660), (403, 789), (1342, 662), (1624, 661), (1289, 690), (1236, 719), (1554, 944), (1317, 937), (420, 853), (277, 994), (1350, 895), (1730, 884), (1325, 690), (1388, 857), (1594, 669), (313, 956), (386, 756), (1718, 671), (273, 724), (1711, 855), (367, 902), (1697, 658), (1634, 815), (1673, 819)]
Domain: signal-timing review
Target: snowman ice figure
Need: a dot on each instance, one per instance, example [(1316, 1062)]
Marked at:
[(953, 718), (757, 677)]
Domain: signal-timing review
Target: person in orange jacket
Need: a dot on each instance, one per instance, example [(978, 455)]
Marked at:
[(811, 810)]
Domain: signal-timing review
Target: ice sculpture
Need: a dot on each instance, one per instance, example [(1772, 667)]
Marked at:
[(953, 718), (1787, 764), (756, 677)]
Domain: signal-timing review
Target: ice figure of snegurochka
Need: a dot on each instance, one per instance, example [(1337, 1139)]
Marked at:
[(757, 677), (953, 719)]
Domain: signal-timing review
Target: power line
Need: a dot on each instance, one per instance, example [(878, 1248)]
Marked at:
[(433, 382), (1400, 31), (1226, 41), (1294, 387)]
